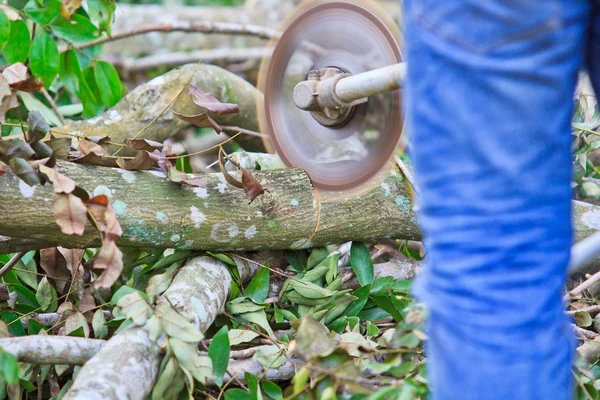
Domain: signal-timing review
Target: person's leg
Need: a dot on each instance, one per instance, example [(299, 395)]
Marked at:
[(489, 94)]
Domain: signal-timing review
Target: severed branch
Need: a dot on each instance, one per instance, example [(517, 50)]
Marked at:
[(206, 27)]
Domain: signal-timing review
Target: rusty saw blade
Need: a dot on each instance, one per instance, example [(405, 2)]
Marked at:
[(354, 37)]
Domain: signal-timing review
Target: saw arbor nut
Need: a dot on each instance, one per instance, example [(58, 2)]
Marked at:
[(318, 95)]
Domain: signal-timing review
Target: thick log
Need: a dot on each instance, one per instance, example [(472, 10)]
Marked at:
[(126, 367), (154, 212), (140, 107)]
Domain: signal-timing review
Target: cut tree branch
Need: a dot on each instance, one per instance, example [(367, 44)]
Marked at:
[(140, 107), (155, 212), (126, 367)]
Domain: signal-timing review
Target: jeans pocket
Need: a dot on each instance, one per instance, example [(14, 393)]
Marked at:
[(485, 25)]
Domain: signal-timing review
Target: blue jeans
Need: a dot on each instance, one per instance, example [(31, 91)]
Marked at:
[(489, 103)]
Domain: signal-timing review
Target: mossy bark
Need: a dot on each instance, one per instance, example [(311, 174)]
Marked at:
[(127, 366), (140, 107), (155, 212)]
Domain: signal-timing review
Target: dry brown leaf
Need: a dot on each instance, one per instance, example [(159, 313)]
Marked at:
[(54, 264), (200, 120), (5, 90), (61, 147), (252, 186), (61, 183), (70, 213), (68, 7), (210, 102), (15, 148), (87, 147), (143, 144), (110, 259), (17, 76), (141, 162), (93, 153), (228, 178), (72, 258), (8, 103), (3, 168), (99, 207), (87, 302), (177, 176)]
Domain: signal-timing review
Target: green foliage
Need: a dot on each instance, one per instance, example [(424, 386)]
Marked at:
[(4, 29), (17, 48), (219, 354), (43, 59)]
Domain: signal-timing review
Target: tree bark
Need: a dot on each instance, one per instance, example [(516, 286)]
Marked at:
[(154, 212), (140, 107), (127, 366)]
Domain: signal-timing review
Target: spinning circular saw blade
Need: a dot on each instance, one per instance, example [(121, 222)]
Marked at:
[(352, 37)]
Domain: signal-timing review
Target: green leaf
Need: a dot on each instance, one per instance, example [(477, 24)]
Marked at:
[(125, 290), (70, 70), (238, 394), (176, 325), (239, 336), (199, 366), (361, 262), (107, 78), (316, 256), (309, 290), (101, 11), (15, 327), (258, 289), (98, 321), (79, 30), (4, 29), (26, 270), (46, 296), (9, 367), (363, 295), (218, 351), (17, 48), (32, 103), (270, 356), (260, 319), (271, 390), (157, 285), (90, 79), (43, 58), (297, 259), (42, 13), (312, 340), (386, 303)]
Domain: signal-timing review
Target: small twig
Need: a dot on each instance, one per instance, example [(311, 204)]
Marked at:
[(236, 354), (204, 27), (591, 310), (242, 130), (205, 150), (53, 105), (11, 263), (406, 172), (582, 286)]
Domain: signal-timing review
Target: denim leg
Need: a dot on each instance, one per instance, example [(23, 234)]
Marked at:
[(489, 94)]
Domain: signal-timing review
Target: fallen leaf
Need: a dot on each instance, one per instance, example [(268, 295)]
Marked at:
[(42, 150), (93, 153), (61, 147), (87, 147), (177, 176), (61, 183), (5, 90), (228, 178), (143, 144), (3, 169), (68, 7), (15, 148), (25, 171), (54, 265), (252, 186), (8, 103), (87, 302), (110, 259), (72, 259), (200, 120), (70, 213), (99, 207), (38, 127), (76, 321), (18, 77), (141, 162), (210, 102)]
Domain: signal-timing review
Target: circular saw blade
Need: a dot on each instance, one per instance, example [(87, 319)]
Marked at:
[(349, 36)]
